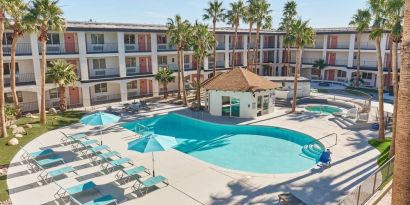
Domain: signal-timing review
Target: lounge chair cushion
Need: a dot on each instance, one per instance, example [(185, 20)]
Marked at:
[(135, 170), (89, 142), (42, 153), (61, 171), (108, 155), (99, 148), (104, 200), (51, 160), (120, 161), (153, 181), (77, 136), (81, 187)]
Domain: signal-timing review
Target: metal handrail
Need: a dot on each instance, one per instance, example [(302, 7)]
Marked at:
[(331, 134)]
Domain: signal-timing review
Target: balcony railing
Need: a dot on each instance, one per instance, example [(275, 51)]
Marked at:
[(132, 71), (366, 46), (340, 45), (338, 63), (269, 59), (59, 49), (309, 61), (188, 66), (129, 48), (318, 45), (21, 49), (21, 79), (104, 73), (269, 45), (165, 47), (239, 46), (135, 94), (102, 99), (220, 46), (219, 64), (102, 48), (28, 106), (366, 63)]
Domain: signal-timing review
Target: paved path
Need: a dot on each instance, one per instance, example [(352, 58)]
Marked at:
[(196, 182)]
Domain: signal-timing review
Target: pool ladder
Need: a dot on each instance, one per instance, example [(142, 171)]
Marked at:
[(315, 148), (142, 129)]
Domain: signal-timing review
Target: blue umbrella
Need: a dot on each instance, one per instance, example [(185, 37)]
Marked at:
[(152, 143), (99, 119)]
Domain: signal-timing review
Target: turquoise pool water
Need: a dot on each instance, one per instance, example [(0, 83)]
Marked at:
[(257, 149), (325, 109)]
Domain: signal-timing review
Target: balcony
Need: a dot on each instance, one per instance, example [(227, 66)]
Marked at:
[(219, 64), (135, 94), (270, 44), (131, 48), (337, 63), (309, 61), (102, 99), (102, 48), (104, 73), (133, 71), (165, 47), (57, 49), (21, 49), (366, 46), (21, 79), (340, 45), (220, 46), (366, 63), (239, 46), (189, 66), (318, 45)]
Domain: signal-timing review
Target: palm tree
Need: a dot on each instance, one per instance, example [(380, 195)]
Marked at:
[(45, 15), (202, 42), (215, 13), (394, 24), (377, 11), (263, 20), (164, 76), (4, 6), (319, 64), (289, 16), (62, 74), (361, 20), (249, 18), (401, 177), (233, 17), (17, 12), (179, 31), (304, 35)]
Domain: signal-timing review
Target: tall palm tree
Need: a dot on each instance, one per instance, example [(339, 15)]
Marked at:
[(164, 76), (17, 12), (304, 35), (319, 64), (289, 16), (263, 20), (401, 177), (4, 6), (215, 13), (233, 16), (249, 18), (361, 20), (179, 31), (62, 74), (377, 9), (202, 42), (394, 10), (45, 15)]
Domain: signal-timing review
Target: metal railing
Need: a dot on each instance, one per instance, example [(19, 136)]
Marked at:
[(220, 46), (59, 49), (102, 48), (135, 94), (21, 78), (131, 71), (318, 45), (103, 73), (21, 49), (340, 45), (325, 143), (366, 63), (129, 48), (102, 99), (166, 47), (366, 46), (366, 190), (309, 60)]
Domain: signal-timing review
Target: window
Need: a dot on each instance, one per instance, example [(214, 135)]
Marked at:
[(130, 62), (7, 68), (341, 74), (8, 97), (162, 39), (7, 38), (162, 60), (132, 85), (367, 76), (235, 107), (53, 39), (99, 63), (186, 59), (97, 38), (129, 39), (100, 88), (53, 93), (226, 106)]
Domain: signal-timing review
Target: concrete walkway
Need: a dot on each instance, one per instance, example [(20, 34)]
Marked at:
[(193, 181)]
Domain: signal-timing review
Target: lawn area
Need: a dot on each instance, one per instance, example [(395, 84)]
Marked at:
[(383, 148), (7, 152)]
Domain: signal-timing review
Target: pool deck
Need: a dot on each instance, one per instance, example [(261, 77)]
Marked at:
[(193, 181)]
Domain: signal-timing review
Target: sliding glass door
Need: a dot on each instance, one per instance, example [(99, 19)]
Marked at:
[(230, 106)]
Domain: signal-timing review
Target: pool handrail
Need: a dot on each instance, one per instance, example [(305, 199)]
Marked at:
[(326, 136)]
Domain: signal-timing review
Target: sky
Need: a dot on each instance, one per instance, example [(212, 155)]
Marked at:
[(321, 13)]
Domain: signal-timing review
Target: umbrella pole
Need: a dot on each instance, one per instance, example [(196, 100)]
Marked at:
[(153, 164), (101, 142)]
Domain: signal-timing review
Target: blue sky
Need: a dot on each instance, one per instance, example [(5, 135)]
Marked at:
[(322, 13)]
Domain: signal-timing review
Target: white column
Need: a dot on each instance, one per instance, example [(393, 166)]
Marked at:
[(123, 91), (206, 63), (82, 50), (36, 64), (245, 54), (85, 89), (324, 47), (121, 54), (154, 53), (280, 50), (261, 42), (227, 64), (383, 47), (350, 57), (155, 87)]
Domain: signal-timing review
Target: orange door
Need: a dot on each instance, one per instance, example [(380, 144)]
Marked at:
[(148, 42), (331, 58), (194, 63), (143, 65), (150, 86), (69, 42), (143, 87), (331, 74), (149, 64), (239, 42), (333, 41), (266, 57), (141, 43), (74, 93)]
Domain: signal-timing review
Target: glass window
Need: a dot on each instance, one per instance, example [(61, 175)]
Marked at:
[(53, 39), (266, 102), (97, 38), (53, 93), (186, 59), (162, 39), (162, 60), (367, 76), (132, 85), (100, 88), (7, 38), (7, 68), (8, 97), (235, 107), (99, 63), (341, 74), (129, 39), (226, 106), (130, 62)]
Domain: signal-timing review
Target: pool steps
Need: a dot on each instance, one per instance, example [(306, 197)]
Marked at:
[(313, 150)]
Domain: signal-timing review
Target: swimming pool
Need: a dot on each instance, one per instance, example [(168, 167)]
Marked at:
[(257, 149), (324, 109)]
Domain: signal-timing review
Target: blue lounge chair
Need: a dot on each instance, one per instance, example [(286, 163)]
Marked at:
[(325, 158), (129, 173), (93, 151), (111, 165), (72, 138), (153, 181), (85, 145), (42, 153), (105, 156), (41, 164), (62, 192), (104, 200), (51, 175)]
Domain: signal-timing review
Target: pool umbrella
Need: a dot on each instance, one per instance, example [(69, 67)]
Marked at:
[(152, 143), (99, 119)]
